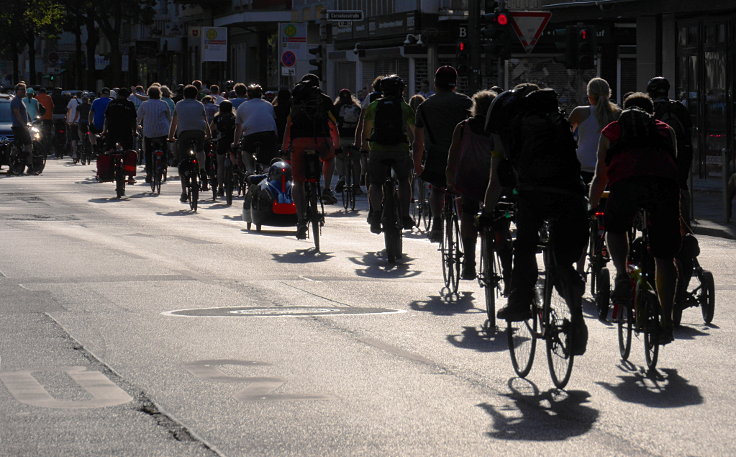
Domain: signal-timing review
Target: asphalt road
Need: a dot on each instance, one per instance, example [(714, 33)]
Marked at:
[(106, 348)]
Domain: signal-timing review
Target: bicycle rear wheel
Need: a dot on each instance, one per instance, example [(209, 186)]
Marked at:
[(648, 304), (119, 180), (707, 296), (313, 213), (603, 292), (558, 332), (452, 232), (390, 221), (522, 340), (625, 318), (193, 193), (487, 276)]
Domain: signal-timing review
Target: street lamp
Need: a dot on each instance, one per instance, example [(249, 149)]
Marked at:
[(417, 39)]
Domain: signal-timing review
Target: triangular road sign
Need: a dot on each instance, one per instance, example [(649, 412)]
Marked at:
[(529, 26)]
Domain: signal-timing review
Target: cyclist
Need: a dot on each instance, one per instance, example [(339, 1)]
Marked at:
[(97, 114), (20, 126), (241, 93), (223, 127), (120, 123), (390, 123), (468, 170), (532, 133), (676, 115), (31, 104), (436, 121), (189, 123), (155, 117), (348, 113), (256, 123), (637, 159), (210, 108), (309, 126), (72, 122), (83, 115)]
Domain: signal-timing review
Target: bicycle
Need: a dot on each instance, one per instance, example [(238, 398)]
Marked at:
[(421, 210), (348, 190), (491, 277), (158, 164), (190, 172), (598, 258), (391, 224), (211, 168), (450, 244), (314, 208), (110, 167), (644, 316), (85, 148), (550, 321), (703, 296)]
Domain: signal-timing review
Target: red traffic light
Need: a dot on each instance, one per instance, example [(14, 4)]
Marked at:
[(584, 34), (502, 19), (461, 46)]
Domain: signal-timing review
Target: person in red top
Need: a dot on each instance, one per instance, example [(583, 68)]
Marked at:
[(637, 159)]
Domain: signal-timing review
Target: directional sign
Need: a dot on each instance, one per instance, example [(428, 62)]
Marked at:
[(288, 58), (344, 15), (529, 26)]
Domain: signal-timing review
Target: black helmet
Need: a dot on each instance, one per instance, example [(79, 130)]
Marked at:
[(278, 170), (392, 85), (658, 86)]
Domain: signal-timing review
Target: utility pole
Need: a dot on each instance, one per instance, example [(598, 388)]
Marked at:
[(474, 79)]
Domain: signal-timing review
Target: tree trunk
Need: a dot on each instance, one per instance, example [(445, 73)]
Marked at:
[(92, 38), (78, 80), (32, 59)]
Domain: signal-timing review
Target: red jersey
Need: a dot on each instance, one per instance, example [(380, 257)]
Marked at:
[(47, 103)]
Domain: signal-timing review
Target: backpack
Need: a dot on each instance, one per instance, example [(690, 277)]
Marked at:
[(543, 149), (225, 123), (388, 127), (667, 112), (638, 132), (349, 115), (308, 110), (474, 162)]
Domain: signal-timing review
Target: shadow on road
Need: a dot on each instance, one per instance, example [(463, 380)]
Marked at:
[(278, 232), (690, 333), (108, 199), (228, 217), (309, 255), (375, 265), (447, 305), (473, 338), (658, 389), (179, 212), (553, 415)]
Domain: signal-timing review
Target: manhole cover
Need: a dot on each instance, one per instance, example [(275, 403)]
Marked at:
[(286, 311)]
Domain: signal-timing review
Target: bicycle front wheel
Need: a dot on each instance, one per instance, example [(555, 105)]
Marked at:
[(558, 333), (522, 340), (648, 304), (313, 215), (625, 318), (707, 296), (487, 276), (391, 229)]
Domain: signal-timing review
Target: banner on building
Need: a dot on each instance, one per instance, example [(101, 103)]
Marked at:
[(214, 44)]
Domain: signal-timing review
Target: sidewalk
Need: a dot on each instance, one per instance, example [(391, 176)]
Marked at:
[(709, 218)]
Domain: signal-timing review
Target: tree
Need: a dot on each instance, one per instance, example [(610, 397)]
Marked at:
[(22, 21), (111, 15)]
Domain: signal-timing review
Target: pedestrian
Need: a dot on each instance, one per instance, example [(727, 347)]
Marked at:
[(19, 126)]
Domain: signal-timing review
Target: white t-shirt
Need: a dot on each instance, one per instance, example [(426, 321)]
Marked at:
[(71, 110), (256, 115)]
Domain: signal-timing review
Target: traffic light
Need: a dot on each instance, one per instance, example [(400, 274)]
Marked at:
[(462, 64), (586, 47), (497, 34), (317, 61), (566, 42), (52, 77)]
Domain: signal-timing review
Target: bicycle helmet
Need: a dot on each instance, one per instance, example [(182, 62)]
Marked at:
[(392, 85), (658, 86), (278, 170)]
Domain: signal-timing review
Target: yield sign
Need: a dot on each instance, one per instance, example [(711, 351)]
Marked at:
[(529, 26)]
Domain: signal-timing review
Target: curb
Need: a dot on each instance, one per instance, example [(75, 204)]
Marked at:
[(721, 232)]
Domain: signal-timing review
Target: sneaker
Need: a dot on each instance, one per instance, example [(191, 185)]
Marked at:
[(622, 290), (435, 235), (469, 272), (514, 313), (183, 197), (580, 338), (407, 222), (340, 185), (329, 197), (374, 219), (301, 231)]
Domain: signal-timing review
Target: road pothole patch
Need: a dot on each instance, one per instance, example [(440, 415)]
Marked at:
[(281, 311)]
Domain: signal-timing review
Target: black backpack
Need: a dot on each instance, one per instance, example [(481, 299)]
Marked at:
[(388, 127), (543, 151), (225, 123), (671, 112), (308, 110)]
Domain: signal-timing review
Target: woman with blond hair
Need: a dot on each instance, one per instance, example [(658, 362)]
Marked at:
[(589, 120)]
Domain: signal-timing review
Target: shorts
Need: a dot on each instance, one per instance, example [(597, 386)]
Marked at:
[(434, 169), (400, 162), (267, 151), (661, 199), (22, 136), (299, 145)]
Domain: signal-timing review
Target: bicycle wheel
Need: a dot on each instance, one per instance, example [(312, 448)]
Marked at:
[(390, 222), (457, 253), (313, 214), (487, 276), (153, 173), (707, 296), (557, 331), (228, 177), (522, 341), (648, 305), (446, 257), (603, 294), (119, 181), (16, 161), (593, 256), (625, 318), (193, 191)]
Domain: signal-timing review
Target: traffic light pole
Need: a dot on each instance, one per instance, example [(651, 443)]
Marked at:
[(474, 80)]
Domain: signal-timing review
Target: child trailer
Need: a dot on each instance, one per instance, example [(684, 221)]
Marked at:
[(268, 200)]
